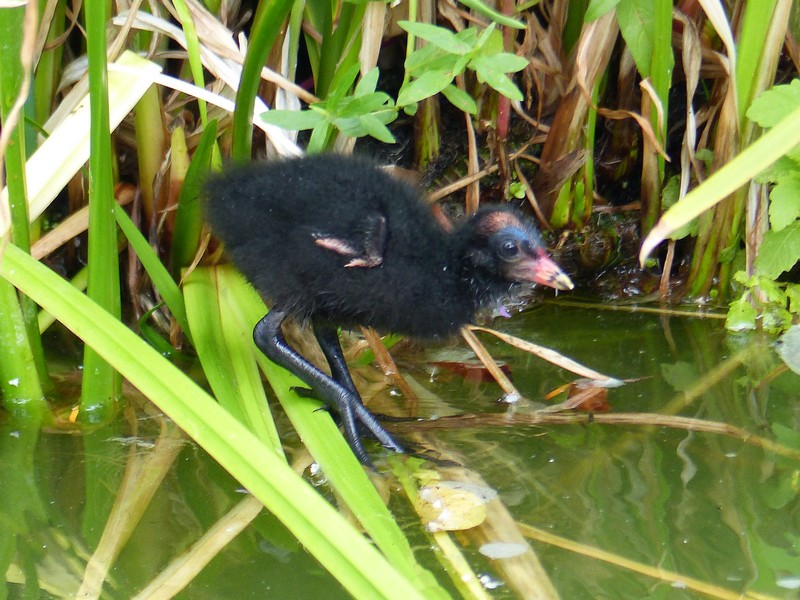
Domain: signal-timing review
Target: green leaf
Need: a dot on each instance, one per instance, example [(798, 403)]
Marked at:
[(343, 550), (636, 19), (367, 83), (438, 36), (189, 216), (598, 8), (749, 163), (499, 82), (373, 126), (506, 62), (355, 106), (775, 104), (490, 41), (779, 251), (784, 202), (295, 120), (495, 16), (793, 295), (319, 137), (425, 86), (158, 273), (784, 166), (460, 99), (681, 376), (741, 315), (342, 81), (431, 58)]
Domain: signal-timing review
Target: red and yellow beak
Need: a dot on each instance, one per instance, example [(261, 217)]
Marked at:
[(543, 270)]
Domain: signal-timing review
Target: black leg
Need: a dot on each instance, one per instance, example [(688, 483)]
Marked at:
[(269, 339), (328, 340)]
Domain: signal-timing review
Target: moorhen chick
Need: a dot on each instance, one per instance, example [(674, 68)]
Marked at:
[(336, 241)]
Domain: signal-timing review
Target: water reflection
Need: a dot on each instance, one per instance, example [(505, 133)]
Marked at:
[(708, 505)]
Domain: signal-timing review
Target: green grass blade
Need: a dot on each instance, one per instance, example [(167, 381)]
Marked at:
[(223, 343), (363, 571), (101, 384), (268, 20), (189, 216), (23, 370), (158, 273), (193, 52)]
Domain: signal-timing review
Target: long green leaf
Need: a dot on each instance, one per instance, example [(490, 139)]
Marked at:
[(766, 150), (158, 273), (223, 343), (363, 571), (21, 352), (267, 23), (189, 216), (101, 385)]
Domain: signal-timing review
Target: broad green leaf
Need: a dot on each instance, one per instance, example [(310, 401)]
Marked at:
[(505, 62), (490, 40), (431, 58), (775, 104), (350, 126), (425, 86), (785, 166), (635, 18), (354, 106), (373, 126), (319, 137), (368, 83), (779, 251), (460, 64), (468, 36), (793, 295), (295, 120), (789, 348), (784, 202), (342, 81), (438, 36), (460, 99), (598, 8), (499, 82), (741, 315), (681, 376)]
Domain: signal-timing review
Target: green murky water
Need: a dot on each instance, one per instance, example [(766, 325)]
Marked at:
[(706, 505)]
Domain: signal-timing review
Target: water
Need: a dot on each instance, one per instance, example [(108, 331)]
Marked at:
[(705, 505)]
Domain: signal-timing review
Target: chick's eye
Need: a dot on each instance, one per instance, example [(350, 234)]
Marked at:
[(509, 249)]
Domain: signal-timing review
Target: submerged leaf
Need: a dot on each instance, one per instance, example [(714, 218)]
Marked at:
[(741, 315), (444, 507)]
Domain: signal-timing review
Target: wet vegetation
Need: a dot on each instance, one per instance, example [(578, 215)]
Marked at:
[(653, 142)]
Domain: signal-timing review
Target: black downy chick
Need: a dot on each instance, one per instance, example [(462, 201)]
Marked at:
[(337, 242)]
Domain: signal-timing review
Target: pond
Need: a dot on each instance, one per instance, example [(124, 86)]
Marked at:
[(708, 510)]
